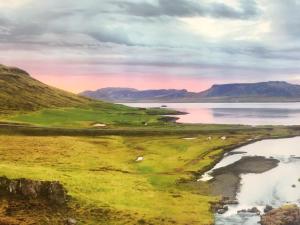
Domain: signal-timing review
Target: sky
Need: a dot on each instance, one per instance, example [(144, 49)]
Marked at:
[(151, 44)]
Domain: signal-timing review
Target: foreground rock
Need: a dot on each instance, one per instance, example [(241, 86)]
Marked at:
[(286, 215), (221, 207), (268, 208), (52, 191), (252, 210)]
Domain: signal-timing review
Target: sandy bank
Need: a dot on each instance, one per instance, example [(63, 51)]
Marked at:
[(227, 179)]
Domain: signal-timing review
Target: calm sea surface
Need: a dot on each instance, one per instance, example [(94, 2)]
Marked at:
[(234, 113)]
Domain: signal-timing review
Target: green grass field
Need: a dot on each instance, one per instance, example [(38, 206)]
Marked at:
[(100, 112), (102, 172)]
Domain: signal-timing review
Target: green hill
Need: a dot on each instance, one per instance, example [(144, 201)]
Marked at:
[(27, 100), (20, 92)]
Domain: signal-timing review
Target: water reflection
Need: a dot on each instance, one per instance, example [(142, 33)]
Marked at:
[(235, 113), (274, 187)]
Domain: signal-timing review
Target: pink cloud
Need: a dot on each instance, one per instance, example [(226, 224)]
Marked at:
[(77, 78)]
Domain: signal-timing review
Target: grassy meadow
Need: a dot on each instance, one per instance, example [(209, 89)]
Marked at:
[(101, 172), (100, 112)]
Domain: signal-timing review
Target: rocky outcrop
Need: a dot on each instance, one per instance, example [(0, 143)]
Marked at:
[(252, 210), (286, 215), (221, 207), (52, 191), (268, 208)]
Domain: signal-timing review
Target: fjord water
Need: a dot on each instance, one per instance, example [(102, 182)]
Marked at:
[(274, 187), (234, 113)]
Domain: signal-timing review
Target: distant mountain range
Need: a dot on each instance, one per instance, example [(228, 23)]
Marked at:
[(271, 91)]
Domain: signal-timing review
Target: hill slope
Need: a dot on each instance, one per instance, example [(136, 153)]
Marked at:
[(272, 91), (26, 100), (20, 92)]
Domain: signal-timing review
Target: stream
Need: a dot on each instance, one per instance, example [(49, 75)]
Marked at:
[(274, 187)]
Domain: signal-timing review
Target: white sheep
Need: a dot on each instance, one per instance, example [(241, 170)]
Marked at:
[(139, 159)]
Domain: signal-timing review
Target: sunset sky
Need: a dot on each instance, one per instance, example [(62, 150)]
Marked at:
[(184, 44)]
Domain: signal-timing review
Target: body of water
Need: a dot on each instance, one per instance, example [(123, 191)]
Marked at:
[(274, 187), (234, 113)]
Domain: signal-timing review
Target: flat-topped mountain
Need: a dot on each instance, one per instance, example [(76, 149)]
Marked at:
[(20, 92), (272, 91), (263, 89)]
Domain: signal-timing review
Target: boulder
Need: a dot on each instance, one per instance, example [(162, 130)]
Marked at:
[(286, 215), (268, 208), (55, 192), (51, 191), (221, 211), (230, 202), (242, 211), (252, 210)]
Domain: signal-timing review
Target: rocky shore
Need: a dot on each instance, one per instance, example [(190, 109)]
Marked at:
[(285, 215)]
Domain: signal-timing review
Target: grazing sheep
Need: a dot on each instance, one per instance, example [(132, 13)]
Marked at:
[(139, 159), (99, 125), (189, 138)]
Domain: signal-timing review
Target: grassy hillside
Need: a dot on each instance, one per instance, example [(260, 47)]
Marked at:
[(21, 92), (24, 99)]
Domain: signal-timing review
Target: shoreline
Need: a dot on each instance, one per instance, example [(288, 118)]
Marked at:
[(228, 149), (222, 202), (227, 180)]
